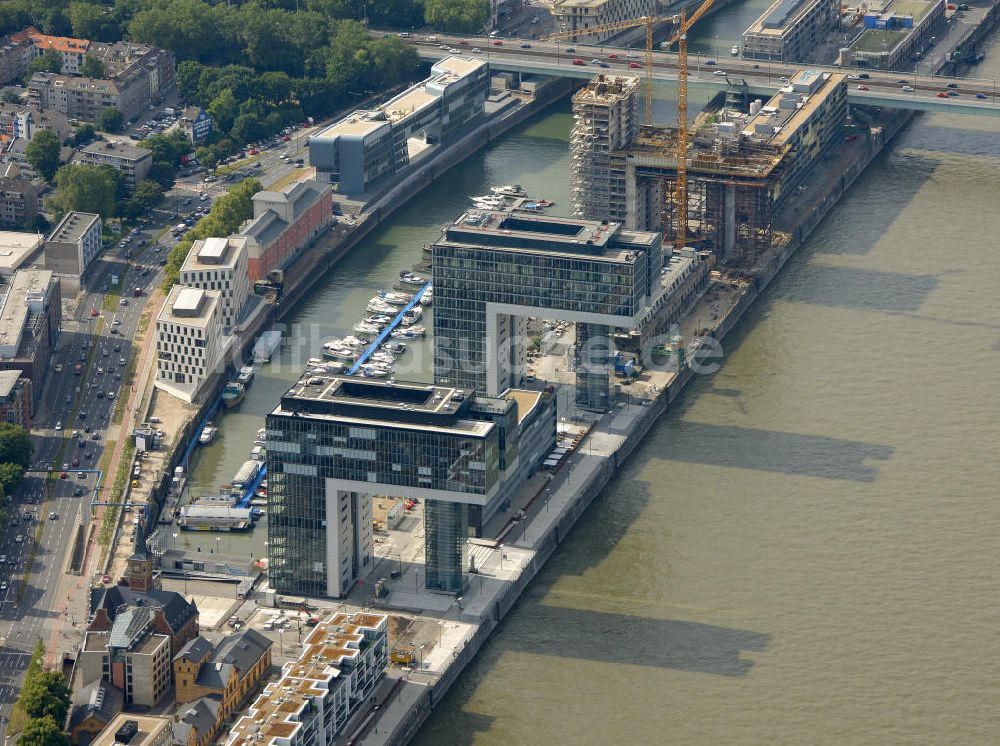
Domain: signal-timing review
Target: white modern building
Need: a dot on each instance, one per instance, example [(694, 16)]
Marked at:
[(342, 662), (364, 150), (74, 244), (220, 264), (190, 343)]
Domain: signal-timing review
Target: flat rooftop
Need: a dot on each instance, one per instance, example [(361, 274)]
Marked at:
[(518, 231), (213, 253), (792, 106), (407, 405), (189, 306), (780, 16), (73, 226), (8, 380), (874, 41), (25, 292), (526, 400), (150, 730), (117, 148), (606, 89), (16, 248)]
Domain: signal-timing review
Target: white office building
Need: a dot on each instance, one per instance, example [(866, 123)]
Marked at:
[(74, 244), (220, 264), (190, 343)]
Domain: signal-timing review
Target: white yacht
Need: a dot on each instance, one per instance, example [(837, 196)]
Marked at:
[(394, 297), (208, 434), (510, 190), (735, 51), (412, 316), (408, 278), (410, 332)]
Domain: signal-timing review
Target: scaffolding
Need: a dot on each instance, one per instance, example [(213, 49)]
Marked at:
[(606, 120)]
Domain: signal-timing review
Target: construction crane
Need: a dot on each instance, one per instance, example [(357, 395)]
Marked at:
[(680, 38), (648, 22), (680, 191)]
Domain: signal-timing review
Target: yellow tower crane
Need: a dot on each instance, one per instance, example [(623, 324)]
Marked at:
[(680, 38), (648, 22)]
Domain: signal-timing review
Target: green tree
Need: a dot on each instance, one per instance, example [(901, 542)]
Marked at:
[(46, 695), (223, 110), (93, 21), (86, 188), (148, 193), (15, 445), (50, 61), (162, 174), (110, 120), (10, 476), (461, 16), (43, 153), (10, 96), (169, 147), (92, 67), (188, 27), (248, 128), (84, 134), (42, 732)]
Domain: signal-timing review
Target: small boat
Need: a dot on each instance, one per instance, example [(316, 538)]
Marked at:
[(530, 206), (428, 297), (370, 330), (246, 375), (543, 202), (410, 332), (378, 320), (374, 371), (735, 51), (381, 307), (354, 342), (339, 352), (207, 434), (394, 297), (258, 501), (256, 512), (233, 394), (509, 190), (412, 316), (386, 358), (396, 348), (408, 278)]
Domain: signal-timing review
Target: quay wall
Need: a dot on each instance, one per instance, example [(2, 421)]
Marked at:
[(602, 471)]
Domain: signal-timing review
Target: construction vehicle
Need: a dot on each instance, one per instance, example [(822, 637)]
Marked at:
[(405, 656), (680, 38)]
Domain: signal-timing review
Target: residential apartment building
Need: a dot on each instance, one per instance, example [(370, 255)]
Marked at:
[(30, 312), (342, 662), (791, 30), (16, 51), (189, 341), (135, 730), (283, 224), (72, 51), (133, 656), (18, 198), (24, 121), (134, 162), (230, 670), (491, 267), (74, 243), (124, 60), (220, 264), (15, 398), (196, 123), (573, 15), (363, 151)]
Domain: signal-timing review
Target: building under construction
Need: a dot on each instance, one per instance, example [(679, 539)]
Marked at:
[(740, 166)]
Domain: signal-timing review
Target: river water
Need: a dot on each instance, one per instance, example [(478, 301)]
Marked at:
[(805, 549)]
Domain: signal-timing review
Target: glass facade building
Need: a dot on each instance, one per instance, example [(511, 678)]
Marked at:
[(333, 441), (491, 268)]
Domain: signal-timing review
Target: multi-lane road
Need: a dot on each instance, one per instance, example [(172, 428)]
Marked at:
[(905, 90)]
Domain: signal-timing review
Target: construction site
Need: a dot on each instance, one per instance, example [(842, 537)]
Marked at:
[(742, 160)]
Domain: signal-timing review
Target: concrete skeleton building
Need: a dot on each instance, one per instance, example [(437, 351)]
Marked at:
[(333, 442), (367, 148), (132, 161), (73, 244), (606, 120), (571, 15), (190, 343), (220, 264), (342, 662), (791, 30), (739, 169)]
